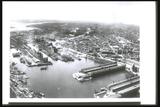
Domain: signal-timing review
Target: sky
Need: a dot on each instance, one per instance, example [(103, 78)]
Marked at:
[(104, 12)]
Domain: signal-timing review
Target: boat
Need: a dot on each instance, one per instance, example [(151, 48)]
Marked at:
[(81, 76), (44, 68), (18, 73)]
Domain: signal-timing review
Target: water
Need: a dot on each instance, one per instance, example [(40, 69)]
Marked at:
[(57, 80), (21, 26)]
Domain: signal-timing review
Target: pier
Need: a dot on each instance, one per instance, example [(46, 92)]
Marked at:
[(120, 89), (91, 72), (90, 69), (106, 69), (123, 85)]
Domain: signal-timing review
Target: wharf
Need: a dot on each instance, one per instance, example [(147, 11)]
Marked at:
[(90, 69), (40, 64), (123, 81), (126, 84), (120, 89), (129, 89)]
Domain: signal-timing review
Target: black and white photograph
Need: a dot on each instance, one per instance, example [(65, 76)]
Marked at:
[(76, 50)]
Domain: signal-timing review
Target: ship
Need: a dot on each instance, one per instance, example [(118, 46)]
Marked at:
[(81, 76), (43, 68)]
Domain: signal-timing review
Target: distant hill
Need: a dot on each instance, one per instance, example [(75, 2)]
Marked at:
[(129, 32)]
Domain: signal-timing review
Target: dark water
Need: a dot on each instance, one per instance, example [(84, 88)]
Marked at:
[(57, 81)]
